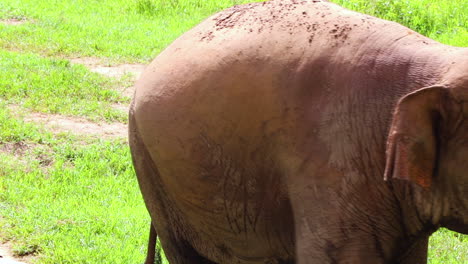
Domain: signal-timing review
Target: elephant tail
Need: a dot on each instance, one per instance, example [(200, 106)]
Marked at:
[(153, 253)]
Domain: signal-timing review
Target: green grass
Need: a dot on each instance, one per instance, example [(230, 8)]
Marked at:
[(137, 30), (74, 199), (16, 131), (57, 86), (69, 202), (446, 247), (119, 29), (443, 20)]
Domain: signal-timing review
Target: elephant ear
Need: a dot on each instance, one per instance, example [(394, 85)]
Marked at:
[(413, 138)]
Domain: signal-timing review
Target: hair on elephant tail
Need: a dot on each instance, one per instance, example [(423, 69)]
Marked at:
[(153, 253)]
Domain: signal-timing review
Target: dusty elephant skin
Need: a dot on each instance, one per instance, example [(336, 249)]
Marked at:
[(264, 134)]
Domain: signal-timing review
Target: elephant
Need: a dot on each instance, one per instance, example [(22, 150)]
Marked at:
[(301, 132)]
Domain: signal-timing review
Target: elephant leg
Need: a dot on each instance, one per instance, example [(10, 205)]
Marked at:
[(176, 248), (179, 251), (417, 252)]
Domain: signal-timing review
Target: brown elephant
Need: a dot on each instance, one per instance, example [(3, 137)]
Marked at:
[(264, 134)]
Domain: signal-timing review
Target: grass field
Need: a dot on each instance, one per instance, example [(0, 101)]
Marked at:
[(67, 198)]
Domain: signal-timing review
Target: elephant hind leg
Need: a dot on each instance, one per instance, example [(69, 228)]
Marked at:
[(417, 253), (183, 253), (176, 248), (179, 251)]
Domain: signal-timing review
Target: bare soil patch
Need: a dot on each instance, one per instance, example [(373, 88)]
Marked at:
[(128, 91), (98, 66), (13, 21), (116, 71), (121, 107), (80, 126), (6, 255), (17, 149), (23, 153)]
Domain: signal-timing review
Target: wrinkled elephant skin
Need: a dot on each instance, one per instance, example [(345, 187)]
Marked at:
[(264, 135)]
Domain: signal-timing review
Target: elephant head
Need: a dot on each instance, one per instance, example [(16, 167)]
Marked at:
[(428, 146)]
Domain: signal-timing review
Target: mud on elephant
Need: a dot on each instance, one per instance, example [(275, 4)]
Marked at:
[(264, 134)]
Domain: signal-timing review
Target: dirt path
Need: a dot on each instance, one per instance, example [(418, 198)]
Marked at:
[(13, 21), (79, 126), (98, 65), (6, 256)]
